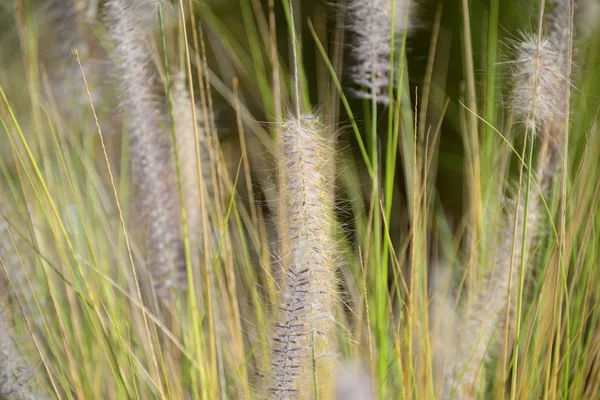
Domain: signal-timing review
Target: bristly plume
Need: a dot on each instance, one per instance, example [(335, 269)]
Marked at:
[(483, 319), (375, 23), (539, 82), (151, 156), (17, 379), (540, 71), (302, 340)]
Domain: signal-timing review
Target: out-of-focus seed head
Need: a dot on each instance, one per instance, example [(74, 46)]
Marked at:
[(375, 23), (353, 382)]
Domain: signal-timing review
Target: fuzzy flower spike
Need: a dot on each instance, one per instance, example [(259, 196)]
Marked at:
[(483, 320), (151, 157), (539, 82), (303, 331), (375, 23)]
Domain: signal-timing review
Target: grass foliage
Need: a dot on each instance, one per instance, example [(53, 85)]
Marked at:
[(283, 199)]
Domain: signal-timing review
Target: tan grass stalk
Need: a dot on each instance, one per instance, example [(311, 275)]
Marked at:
[(303, 337)]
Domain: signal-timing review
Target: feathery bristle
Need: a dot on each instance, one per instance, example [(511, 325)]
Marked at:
[(305, 318), (151, 156), (372, 23)]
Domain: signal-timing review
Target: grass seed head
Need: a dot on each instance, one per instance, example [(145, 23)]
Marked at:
[(539, 82), (151, 154), (483, 319), (303, 332), (375, 23)]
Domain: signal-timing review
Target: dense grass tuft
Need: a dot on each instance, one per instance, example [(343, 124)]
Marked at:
[(285, 199)]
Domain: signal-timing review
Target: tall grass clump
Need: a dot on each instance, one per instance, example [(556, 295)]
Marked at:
[(483, 320), (539, 99), (423, 225)]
